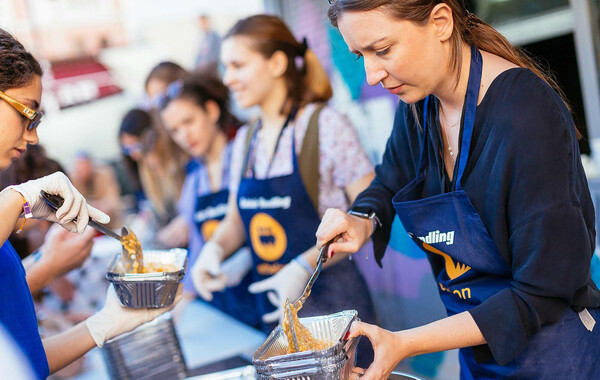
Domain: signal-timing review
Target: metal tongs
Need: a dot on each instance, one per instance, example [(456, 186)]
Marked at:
[(56, 201), (302, 299)]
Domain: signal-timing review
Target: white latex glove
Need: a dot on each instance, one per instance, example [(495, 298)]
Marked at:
[(235, 268), (206, 271), (75, 205), (288, 283), (114, 319)]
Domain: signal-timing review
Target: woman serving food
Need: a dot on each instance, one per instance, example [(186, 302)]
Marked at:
[(484, 171)]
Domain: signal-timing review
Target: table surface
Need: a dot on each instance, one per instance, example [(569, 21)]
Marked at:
[(206, 336)]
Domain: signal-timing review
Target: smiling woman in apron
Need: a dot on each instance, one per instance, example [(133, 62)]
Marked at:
[(20, 96), (483, 169), (275, 203), (195, 112)]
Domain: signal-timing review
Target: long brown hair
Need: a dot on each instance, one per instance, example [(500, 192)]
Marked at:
[(468, 29), (305, 84)]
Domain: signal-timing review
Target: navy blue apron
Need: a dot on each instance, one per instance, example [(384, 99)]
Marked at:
[(448, 228), (236, 301), (281, 222), (17, 314)]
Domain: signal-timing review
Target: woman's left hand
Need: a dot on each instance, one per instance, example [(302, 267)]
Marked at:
[(388, 347)]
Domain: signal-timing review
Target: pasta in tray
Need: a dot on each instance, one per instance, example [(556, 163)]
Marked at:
[(133, 247), (306, 342)]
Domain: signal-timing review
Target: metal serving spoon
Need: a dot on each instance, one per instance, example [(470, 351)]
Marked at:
[(311, 282), (56, 201)]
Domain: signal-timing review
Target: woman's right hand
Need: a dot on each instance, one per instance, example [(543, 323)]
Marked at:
[(114, 319), (354, 231), (74, 206)]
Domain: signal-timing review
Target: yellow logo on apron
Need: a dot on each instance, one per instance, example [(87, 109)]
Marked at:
[(268, 237), (208, 228), (453, 269)]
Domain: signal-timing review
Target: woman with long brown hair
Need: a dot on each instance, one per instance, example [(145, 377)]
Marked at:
[(285, 173), (483, 169)]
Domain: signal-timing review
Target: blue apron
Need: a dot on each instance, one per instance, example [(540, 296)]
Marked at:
[(17, 313), (236, 301), (448, 228), (281, 222)]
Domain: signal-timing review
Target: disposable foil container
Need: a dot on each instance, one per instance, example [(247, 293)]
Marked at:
[(241, 373), (143, 290), (272, 361), (150, 352)]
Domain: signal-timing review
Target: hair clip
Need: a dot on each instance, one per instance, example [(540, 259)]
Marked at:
[(472, 20), (302, 48)]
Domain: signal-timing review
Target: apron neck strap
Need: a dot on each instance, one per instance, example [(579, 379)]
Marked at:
[(471, 98), (470, 110)]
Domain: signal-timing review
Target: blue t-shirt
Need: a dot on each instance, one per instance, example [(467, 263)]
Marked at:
[(525, 179), (17, 313)]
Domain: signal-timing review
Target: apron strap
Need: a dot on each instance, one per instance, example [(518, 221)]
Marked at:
[(470, 109), (308, 159), (249, 136), (423, 160)]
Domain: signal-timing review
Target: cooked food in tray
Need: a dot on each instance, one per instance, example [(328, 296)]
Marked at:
[(306, 342), (133, 249)]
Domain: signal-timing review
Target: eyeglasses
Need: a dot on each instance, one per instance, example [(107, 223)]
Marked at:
[(130, 149), (172, 91), (34, 117)]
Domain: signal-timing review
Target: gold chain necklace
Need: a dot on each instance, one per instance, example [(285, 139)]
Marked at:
[(451, 126)]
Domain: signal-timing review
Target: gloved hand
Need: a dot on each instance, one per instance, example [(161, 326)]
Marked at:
[(235, 268), (114, 319), (288, 283), (206, 271), (75, 205)]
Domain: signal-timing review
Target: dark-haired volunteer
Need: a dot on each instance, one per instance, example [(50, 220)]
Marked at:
[(485, 175), (20, 96), (195, 113)]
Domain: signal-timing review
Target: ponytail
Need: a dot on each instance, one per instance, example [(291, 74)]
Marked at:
[(316, 86)]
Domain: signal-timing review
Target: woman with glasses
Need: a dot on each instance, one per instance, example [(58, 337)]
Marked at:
[(195, 112), (21, 90), (285, 173), (484, 171)]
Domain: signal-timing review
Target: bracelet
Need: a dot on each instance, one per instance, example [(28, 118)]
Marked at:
[(304, 263), (26, 212)]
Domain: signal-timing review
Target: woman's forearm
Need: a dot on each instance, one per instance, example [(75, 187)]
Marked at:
[(64, 348), (453, 332), (11, 206), (38, 276)]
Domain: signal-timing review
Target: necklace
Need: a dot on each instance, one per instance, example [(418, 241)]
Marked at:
[(451, 126), (450, 151)]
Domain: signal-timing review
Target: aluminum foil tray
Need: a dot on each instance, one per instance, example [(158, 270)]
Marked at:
[(272, 362), (142, 290), (150, 352), (241, 373)]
